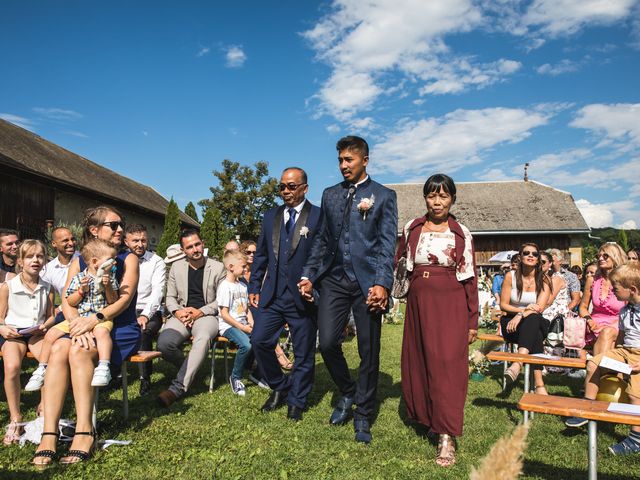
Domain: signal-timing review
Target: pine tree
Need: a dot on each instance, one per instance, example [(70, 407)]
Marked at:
[(213, 232), (190, 209), (623, 239), (171, 231)]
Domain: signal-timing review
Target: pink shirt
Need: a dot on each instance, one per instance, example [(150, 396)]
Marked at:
[(605, 312)]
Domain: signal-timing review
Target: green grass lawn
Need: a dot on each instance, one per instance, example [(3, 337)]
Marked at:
[(217, 435)]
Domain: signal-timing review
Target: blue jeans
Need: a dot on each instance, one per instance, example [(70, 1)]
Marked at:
[(241, 339)]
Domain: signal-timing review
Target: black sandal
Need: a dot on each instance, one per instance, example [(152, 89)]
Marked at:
[(45, 453), (77, 456)]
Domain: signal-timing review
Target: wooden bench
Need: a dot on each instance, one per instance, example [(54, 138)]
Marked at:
[(529, 360), (224, 344), (140, 357), (592, 410), (490, 337)]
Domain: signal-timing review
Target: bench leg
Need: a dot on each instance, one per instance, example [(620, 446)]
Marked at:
[(213, 366), (527, 383), (225, 350), (125, 391), (593, 450)]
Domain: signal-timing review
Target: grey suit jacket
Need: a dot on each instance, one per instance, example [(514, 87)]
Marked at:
[(178, 285)]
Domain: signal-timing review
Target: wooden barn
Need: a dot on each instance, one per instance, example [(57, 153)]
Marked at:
[(43, 184), (503, 215)]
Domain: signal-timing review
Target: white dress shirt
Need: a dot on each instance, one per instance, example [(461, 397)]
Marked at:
[(55, 273), (298, 208), (151, 284)]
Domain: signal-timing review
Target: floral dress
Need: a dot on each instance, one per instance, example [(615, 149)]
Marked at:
[(560, 305)]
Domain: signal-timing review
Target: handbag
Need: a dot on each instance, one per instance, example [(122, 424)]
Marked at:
[(575, 331), (556, 331), (401, 280)]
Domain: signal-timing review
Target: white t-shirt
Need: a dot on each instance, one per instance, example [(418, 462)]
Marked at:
[(235, 297), (55, 273), (26, 309), (630, 324)]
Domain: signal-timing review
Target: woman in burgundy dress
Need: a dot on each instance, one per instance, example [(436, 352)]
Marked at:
[(441, 318)]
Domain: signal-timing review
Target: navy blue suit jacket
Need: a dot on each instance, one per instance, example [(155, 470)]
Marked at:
[(372, 237), (264, 271)]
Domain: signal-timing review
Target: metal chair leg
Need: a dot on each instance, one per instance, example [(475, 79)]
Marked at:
[(125, 391), (213, 365), (226, 359), (593, 449)]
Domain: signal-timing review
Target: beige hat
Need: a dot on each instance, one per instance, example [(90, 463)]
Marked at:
[(174, 252)]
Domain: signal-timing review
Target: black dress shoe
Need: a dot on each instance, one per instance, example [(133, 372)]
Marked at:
[(275, 400), (342, 413), (294, 413), (145, 387), (363, 430)]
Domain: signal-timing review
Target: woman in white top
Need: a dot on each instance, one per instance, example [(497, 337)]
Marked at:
[(524, 296), (26, 301)]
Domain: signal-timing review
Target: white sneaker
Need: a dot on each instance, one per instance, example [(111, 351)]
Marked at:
[(262, 383), (101, 376), (36, 381), (237, 387)]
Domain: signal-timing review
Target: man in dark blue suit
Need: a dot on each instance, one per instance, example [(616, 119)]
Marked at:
[(351, 265), (283, 247)]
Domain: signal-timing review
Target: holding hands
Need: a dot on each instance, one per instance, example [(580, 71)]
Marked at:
[(378, 298), (305, 287)]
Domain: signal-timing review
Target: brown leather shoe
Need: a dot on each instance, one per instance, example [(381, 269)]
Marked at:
[(166, 398)]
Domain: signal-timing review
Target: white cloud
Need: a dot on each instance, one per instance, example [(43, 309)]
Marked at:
[(599, 215), (75, 133), (618, 124), (369, 46), (555, 18), (333, 129), (235, 56), (454, 140), (203, 51), (495, 175), (564, 66), (58, 113), (18, 120), (628, 225)]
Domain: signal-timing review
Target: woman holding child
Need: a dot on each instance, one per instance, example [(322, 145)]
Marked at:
[(73, 359), (525, 295), (21, 297), (441, 317)]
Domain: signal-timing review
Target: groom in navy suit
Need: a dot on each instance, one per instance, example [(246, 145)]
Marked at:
[(283, 247), (351, 265)]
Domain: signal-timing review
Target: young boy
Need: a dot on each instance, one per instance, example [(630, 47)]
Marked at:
[(89, 295), (236, 322), (626, 285)]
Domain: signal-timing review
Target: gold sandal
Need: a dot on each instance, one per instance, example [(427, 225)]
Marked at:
[(284, 361), (446, 452)]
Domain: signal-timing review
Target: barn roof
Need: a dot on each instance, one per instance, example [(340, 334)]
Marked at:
[(510, 207), (28, 152)]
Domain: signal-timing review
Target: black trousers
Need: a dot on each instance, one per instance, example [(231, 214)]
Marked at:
[(146, 343), (530, 333), (339, 296)]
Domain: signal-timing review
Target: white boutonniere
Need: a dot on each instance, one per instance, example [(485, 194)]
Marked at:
[(304, 231), (365, 205)]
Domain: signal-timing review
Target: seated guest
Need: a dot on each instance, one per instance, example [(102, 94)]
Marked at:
[(498, 279), (150, 293), (577, 271), (55, 272), (191, 301), (232, 245), (625, 280), (602, 321), (558, 303), (26, 301), (236, 321), (633, 254), (9, 244), (590, 270), (573, 284), (525, 294)]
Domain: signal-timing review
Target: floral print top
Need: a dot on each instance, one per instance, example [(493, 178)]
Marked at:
[(437, 249)]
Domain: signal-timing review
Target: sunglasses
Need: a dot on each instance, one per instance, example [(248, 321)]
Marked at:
[(290, 186), (530, 253), (605, 256), (250, 252), (114, 225), (544, 262)]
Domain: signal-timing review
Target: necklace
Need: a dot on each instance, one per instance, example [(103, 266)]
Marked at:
[(31, 286)]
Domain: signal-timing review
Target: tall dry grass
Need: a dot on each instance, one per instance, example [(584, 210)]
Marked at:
[(504, 460)]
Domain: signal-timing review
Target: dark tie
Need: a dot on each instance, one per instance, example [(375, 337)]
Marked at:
[(347, 208), (292, 220)]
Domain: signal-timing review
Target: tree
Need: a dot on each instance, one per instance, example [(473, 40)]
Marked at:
[(213, 232), (242, 196), (623, 239), (190, 209), (171, 231)]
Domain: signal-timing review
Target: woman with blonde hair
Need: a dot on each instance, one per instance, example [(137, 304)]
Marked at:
[(602, 321)]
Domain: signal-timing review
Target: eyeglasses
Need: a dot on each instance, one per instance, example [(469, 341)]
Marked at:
[(290, 186), (530, 253), (114, 225), (605, 256), (544, 262)]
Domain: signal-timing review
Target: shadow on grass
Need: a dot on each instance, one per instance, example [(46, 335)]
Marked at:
[(542, 470)]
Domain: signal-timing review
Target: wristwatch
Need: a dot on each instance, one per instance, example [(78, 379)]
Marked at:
[(100, 316)]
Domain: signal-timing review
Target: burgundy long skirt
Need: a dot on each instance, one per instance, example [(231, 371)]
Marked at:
[(435, 350)]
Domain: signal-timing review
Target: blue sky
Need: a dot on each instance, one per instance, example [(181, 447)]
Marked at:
[(162, 91)]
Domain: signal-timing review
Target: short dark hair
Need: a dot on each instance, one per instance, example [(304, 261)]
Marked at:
[(189, 232), (302, 172), (60, 227), (5, 232), (135, 228), (352, 142), (437, 181)]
